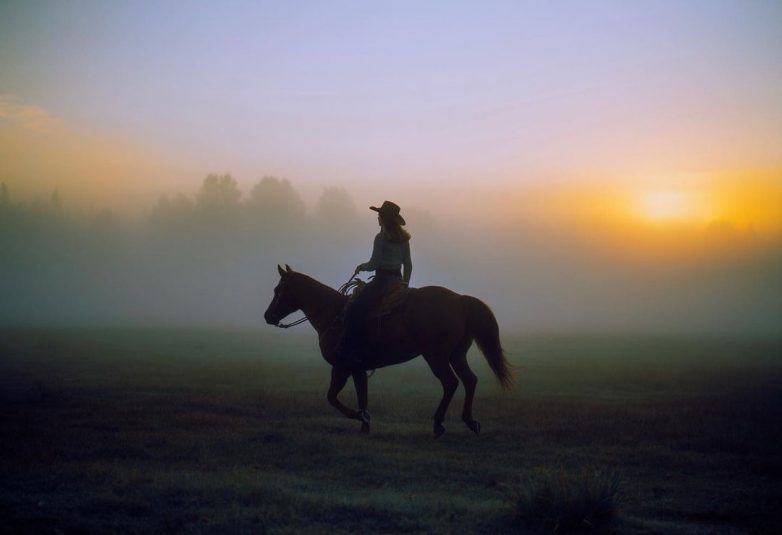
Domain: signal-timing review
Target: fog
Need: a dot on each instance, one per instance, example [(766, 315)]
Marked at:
[(207, 258)]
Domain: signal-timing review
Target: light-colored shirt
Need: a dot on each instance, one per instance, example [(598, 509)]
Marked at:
[(388, 254)]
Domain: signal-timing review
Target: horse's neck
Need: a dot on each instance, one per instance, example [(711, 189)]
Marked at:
[(319, 303)]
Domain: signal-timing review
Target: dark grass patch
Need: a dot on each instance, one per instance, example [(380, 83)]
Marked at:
[(560, 500)]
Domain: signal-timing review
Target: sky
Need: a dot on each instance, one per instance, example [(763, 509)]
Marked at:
[(123, 100), (581, 164)]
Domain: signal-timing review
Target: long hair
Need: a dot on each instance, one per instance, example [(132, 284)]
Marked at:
[(393, 231)]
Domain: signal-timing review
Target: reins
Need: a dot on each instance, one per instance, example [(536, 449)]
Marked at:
[(292, 324), (346, 288)]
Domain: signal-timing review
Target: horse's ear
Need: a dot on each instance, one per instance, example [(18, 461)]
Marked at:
[(288, 268), (279, 269)]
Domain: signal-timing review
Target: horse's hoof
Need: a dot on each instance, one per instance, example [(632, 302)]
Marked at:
[(364, 429), (475, 426), (438, 430)]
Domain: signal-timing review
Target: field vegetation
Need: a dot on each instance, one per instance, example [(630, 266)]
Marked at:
[(218, 431)]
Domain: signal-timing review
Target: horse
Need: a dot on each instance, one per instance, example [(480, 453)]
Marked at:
[(433, 321)]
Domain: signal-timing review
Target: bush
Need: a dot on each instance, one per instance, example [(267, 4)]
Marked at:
[(558, 500)]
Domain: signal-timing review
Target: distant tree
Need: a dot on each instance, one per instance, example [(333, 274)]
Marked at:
[(46, 215), (218, 199), (218, 192), (335, 207), (275, 201)]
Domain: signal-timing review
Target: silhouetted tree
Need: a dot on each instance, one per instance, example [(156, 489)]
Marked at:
[(335, 207), (218, 199), (275, 201), (44, 216)]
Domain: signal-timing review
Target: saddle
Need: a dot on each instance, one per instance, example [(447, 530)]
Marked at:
[(392, 301), (394, 298)]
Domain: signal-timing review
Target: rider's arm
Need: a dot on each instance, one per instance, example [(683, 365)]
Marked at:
[(407, 263), (374, 262)]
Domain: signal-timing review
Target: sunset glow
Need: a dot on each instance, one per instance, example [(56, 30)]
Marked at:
[(671, 206), (365, 97), (740, 204), (631, 139)]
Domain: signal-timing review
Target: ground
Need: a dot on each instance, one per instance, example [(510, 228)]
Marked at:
[(229, 432)]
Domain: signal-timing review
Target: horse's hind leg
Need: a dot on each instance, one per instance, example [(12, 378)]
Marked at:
[(443, 372), (469, 380)]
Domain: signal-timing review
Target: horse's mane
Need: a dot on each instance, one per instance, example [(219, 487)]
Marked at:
[(310, 283)]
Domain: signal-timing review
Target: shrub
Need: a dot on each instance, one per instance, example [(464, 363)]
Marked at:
[(558, 500)]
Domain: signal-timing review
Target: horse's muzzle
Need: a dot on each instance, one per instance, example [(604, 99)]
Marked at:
[(271, 319)]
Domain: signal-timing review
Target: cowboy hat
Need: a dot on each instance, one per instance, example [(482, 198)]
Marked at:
[(390, 212)]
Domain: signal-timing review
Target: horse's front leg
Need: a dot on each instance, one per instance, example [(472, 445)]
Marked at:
[(361, 383), (339, 376)]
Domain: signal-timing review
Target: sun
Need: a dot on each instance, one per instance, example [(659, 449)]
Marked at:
[(670, 206), (666, 205)]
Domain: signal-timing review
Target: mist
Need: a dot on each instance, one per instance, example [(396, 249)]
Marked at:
[(208, 258)]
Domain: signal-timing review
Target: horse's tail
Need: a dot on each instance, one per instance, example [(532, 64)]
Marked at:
[(482, 326)]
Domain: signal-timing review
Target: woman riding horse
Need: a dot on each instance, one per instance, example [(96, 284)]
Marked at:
[(391, 252), (434, 322)]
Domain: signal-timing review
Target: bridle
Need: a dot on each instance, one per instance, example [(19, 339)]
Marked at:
[(284, 325), (344, 290)]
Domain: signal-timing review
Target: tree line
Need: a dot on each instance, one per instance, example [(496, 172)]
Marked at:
[(218, 204), (194, 258)]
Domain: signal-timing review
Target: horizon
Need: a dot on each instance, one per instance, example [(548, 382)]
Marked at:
[(664, 98), (610, 165)]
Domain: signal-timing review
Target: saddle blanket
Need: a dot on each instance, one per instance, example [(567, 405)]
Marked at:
[(394, 298)]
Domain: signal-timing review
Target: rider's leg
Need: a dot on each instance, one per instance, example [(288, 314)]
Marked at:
[(354, 336)]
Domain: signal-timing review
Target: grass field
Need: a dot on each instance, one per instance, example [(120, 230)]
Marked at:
[(212, 431)]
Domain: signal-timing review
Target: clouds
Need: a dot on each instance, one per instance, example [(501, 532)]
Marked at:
[(27, 116), (40, 153)]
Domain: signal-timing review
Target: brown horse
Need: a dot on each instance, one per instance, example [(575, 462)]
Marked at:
[(434, 322)]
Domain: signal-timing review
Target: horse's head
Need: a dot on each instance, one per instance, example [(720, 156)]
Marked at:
[(284, 302)]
